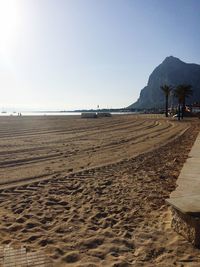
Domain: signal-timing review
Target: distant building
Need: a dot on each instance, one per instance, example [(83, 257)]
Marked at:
[(196, 108), (88, 115)]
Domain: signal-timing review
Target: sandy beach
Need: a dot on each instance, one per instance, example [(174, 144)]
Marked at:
[(91, 192), (44, 147)]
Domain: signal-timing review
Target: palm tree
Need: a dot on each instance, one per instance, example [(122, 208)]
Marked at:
[(182, 92), (166, 90)]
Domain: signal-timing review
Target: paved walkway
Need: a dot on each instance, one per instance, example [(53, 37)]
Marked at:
[(12, 257), (186, 197)]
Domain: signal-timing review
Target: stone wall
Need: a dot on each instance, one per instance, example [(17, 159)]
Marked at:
[(186, 225)]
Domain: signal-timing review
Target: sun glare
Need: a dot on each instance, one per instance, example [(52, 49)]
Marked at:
[(9, 20)]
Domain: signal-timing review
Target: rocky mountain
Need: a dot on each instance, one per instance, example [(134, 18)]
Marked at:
[(172, 71)]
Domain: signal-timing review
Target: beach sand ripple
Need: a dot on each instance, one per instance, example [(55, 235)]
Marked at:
[(111, 215)]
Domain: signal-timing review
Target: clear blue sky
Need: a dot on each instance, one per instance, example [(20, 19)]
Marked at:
[(68, 54)]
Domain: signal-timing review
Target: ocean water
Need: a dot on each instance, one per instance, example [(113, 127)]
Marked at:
[(26, 113), (53, 113)]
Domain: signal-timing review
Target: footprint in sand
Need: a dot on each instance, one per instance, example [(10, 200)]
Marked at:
[(72, 257)]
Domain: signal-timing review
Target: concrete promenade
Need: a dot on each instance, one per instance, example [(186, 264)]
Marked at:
[(185, 200)]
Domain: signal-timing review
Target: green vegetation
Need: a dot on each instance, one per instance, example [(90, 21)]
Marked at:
[(166, 90), (182, 91)]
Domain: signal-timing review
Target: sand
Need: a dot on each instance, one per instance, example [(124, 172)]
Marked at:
[(92, 192)]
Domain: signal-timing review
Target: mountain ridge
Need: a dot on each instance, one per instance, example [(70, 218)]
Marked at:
[(172, 71)]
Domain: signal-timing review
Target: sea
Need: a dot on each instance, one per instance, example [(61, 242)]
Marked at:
[(53, 113)]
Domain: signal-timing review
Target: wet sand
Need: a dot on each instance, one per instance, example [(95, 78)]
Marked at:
[(97, 191)]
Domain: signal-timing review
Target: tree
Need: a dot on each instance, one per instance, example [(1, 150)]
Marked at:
[(166, 90), (182, 91)]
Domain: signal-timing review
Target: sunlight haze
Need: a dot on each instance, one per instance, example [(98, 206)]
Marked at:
[(66, 54)]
